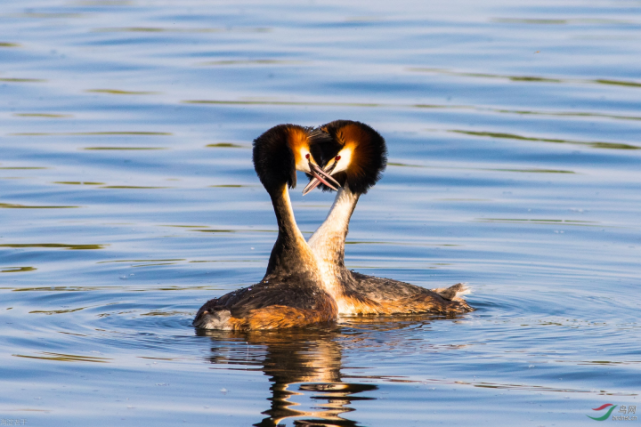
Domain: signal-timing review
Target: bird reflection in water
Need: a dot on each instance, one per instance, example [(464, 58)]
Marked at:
[(297, 362)]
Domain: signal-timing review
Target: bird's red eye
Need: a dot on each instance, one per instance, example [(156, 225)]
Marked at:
[(307, 156), (338, 158)]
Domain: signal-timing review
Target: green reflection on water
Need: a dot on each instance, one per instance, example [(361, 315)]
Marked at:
[(103, 3), (430, 106), (123, 148), (593, 21), (7, 44), (108, 133), (131, 187), (210, 230), (59, 289), (226, 145), (536, 388), (564, 114), (22, 167), (618, 83), (255, 62), (17, 269), (453, 199), (406, 165), (140, 260), (50, 312), (367, 243), (533, 170), (156, 358), (19, 80), (78, 183), (167, 313), (391, 243), (153, 264), (530, 21), (183, 30), (224, 260), (61, 357), (43, 115), (534, 79), (120, 92), (484, 75), (595, 144), (113, 287), (184, 226), (12, 206), (52, 245), (544, 221), (485, 384), (320, 104), (50, 15)]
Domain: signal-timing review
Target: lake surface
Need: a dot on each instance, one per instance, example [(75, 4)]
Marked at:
[(128, 198)]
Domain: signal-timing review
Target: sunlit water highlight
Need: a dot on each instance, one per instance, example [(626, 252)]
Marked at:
[(129, 198)]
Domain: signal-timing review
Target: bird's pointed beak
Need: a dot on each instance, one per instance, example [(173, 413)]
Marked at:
[(321, 176)]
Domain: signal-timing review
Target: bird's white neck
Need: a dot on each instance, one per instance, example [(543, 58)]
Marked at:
[(328, 242)]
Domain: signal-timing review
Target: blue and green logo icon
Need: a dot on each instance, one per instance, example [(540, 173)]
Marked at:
[(607, 414)]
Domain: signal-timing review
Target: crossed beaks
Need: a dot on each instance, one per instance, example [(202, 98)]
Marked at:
[(321, 176)]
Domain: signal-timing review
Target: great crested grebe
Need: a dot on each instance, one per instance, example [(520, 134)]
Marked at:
[(292, 293), (357, 156)]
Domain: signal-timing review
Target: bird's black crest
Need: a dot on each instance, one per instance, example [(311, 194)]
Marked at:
[(273, 157), (322, 146), (369, 158)]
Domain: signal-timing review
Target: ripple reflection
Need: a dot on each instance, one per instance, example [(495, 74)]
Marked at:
[(305, 363)]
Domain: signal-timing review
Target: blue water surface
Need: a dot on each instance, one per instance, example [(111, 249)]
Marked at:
[(128, 198)]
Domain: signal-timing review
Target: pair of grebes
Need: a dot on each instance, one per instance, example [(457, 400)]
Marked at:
[(307, 282)]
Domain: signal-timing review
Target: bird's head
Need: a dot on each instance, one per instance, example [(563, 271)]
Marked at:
[(282, 150), (355, 155)]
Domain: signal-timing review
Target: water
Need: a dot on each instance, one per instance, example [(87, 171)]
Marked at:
[(128, 198)]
